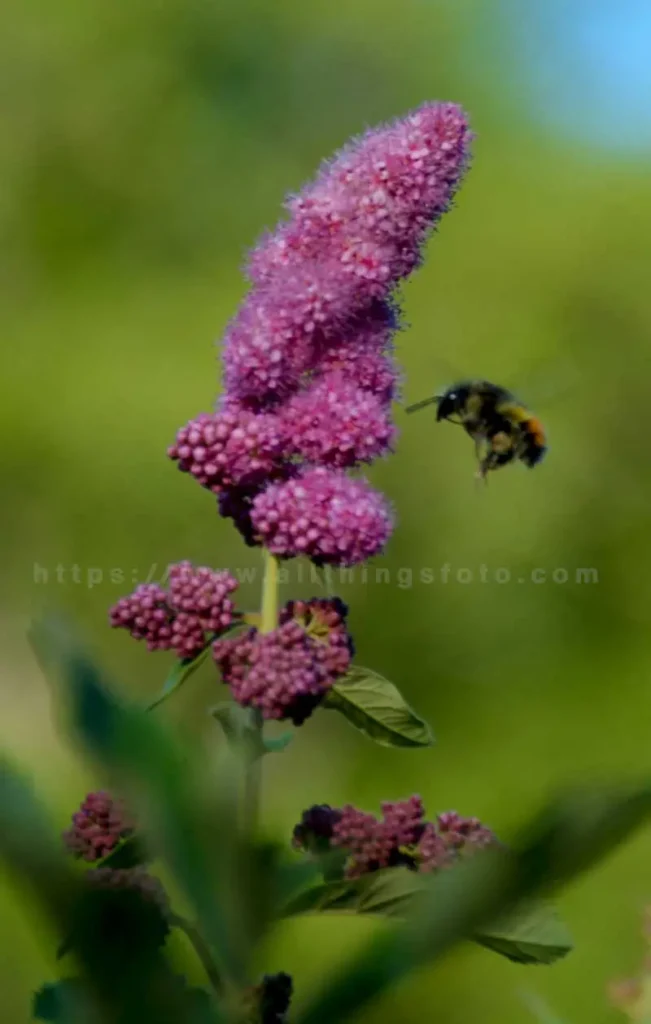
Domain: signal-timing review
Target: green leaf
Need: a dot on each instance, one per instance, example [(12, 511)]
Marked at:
[(195, 832), (128, 853), (532, 934), (239, 728), (375, 706), (62, 1002), (31, 849), (279, 743), (180, 672), (340, 896)]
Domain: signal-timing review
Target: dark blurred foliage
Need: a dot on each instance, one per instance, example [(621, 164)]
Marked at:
[(142, 149)]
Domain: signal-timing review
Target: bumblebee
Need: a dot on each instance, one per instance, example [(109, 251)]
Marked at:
[(502, 428)]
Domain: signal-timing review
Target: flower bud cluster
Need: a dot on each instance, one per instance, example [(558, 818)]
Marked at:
[(97, 827), (196, 607), (402, 837), (286, 673)]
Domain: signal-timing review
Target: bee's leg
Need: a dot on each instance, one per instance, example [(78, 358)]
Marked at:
[(483, 457)]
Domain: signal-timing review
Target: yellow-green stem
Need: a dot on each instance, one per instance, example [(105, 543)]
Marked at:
[(268, 622), (269, 594), (202, 950)]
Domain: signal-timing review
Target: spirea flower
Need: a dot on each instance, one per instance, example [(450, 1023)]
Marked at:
[(270, 343), (235, 447), (362, 353), (316, 827), (184, 618), (372, 206), (308, 365), (401, 838), (286, 673), (324, 515), (97, 827), (237, 504), (334, 423), (458, 833), (147, 615), (201, 600), (324, 621), (374, 844)]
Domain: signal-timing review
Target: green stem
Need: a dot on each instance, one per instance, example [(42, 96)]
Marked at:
[(201, 948), (268, 622), (269, 594)]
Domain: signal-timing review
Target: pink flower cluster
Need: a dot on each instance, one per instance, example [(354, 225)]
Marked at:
[(97, 827), (196, 606), (308, 366), (286, 673), (401, 837), (323, 514)]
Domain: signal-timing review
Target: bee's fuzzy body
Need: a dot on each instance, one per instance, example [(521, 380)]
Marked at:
[(501, 426)]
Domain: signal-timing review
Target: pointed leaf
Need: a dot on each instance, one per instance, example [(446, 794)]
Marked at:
[(199, 838), (128, 853), (180, 672), (329, 896), (532, 934), (376, 707), (279, 743), (62, 1002)]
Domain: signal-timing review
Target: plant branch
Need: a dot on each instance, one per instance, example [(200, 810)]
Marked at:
[(268, 622), (201, 948), (269, 594)]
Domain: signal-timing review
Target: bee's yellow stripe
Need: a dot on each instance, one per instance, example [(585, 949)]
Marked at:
[(514, 411)]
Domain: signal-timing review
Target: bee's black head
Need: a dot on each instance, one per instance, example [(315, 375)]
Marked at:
[(452, 401)]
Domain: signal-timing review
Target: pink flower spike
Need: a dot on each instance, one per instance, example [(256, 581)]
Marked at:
[(372, 206)]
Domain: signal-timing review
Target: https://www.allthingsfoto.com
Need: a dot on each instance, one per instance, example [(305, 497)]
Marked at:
[(402, 577)]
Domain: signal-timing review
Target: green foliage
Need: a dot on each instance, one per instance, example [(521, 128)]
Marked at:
[(238, 888), (179, 674), (529, 935), (63, 1002), (376, 707), (533, 934), (201, 844)]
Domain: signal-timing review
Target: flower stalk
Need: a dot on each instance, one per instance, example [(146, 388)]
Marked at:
[(268, 622), (269, 594)]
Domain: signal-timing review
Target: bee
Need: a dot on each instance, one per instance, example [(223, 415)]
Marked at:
[(503, 429)]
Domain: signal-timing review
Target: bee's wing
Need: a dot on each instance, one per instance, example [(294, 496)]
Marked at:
[(548, 382)]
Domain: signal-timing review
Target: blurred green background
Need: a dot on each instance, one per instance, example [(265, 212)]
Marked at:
[(143, 148)]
